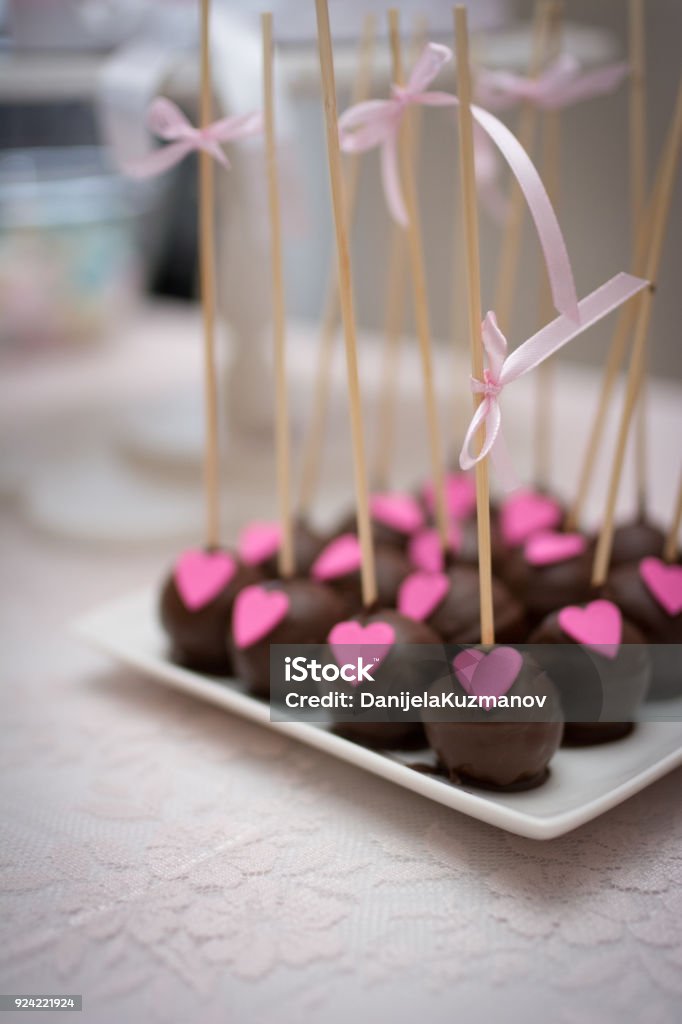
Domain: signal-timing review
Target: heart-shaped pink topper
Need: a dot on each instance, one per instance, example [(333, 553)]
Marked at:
[(548, 548), (201, 575), (599, 625), (420, 593), (401, 512), (460, 495), (488, 675), (256, 613), (664, 582), (525, 513), (340, 558), (424, 549), (259, 541), (348, 640)]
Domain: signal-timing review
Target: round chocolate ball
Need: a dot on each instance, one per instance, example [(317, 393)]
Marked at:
[(500, 748), (260, 541), (456, 617), (403, 668), (661, 625), (550, 571), (280, 611), (338, 565), (460, 496), (466, 551), (195, 607), (605, 690), (636, 540)]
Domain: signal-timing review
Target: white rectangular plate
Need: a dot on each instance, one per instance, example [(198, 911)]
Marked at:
[(584, 783)]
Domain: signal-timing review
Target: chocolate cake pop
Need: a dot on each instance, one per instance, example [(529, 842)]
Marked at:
[(612, 678), (277, 612), (636, 540), (649, 593), (449, 603), (395, 516), (550, 570), (424, 549), (196, 604), (393, 637), (260, 541), (510, 749), (338, 565), (460, 496)]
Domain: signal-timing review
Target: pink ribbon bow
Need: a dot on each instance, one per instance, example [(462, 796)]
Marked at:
[(166, 120), (502, 369), (560, 85), (377, 122)]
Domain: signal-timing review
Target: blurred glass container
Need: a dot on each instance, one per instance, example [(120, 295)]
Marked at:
[(68, 255)]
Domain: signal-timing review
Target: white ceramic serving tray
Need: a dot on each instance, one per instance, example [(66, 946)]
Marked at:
[(583, 784)]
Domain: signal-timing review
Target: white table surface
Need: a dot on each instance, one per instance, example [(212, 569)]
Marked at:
[(173, 864)]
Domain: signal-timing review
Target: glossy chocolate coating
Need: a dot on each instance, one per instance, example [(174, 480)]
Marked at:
[(457, 618), (544, 588), (313, 609), (636, 540), (610, 688), (197, 637), (399, 668), (626, 588), (391, 567), (503, 752)]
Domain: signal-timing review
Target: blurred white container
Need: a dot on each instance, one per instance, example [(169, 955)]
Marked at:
[(73, 24)]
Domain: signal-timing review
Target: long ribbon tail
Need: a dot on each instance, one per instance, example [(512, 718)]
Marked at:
[(159, 161), (549, 233), (390, 177), (559, 332), (585, 87)]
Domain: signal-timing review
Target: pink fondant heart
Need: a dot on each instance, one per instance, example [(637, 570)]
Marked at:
[(424, 549), (525, 513), (488, 675), (664, 583), (258, 541), (201, 575), (460, 495), (340, 558), (548, 548), (349, 639), (420, 593), (599, 625), (399, 511), (256, 613)]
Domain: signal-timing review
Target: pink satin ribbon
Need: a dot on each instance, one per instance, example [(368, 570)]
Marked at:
[(503, 369), (167, 121), (560, 85), (377, 123)]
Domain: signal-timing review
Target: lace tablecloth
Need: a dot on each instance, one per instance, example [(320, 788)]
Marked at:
[(170, 863)]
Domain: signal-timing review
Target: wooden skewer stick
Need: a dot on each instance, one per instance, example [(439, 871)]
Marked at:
[(316, 430), (614, 362), (468, 184), (551, 165), (645, 305), (394, 318), (395, 312), (207, 275), (285, 556), (421, 311), (638, 176), (672, 543), (369, 586), (505, 291)]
